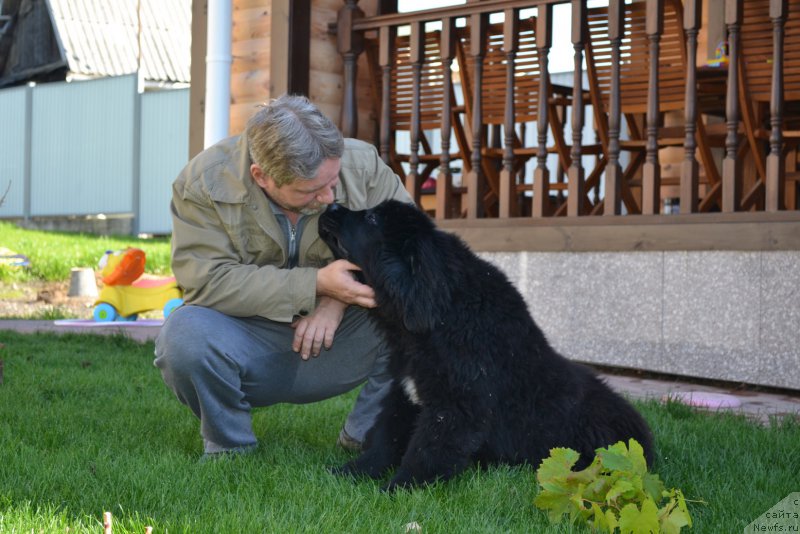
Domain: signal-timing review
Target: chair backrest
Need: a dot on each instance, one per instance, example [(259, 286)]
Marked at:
[(635, 57), (527, 74), (432, 89), (756, 50)]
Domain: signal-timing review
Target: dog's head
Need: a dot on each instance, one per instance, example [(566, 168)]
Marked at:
[(394, 245)]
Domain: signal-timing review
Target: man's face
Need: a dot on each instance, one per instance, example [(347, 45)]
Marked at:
[(302, 196)]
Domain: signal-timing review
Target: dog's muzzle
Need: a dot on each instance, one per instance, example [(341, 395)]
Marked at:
[(329, 230)]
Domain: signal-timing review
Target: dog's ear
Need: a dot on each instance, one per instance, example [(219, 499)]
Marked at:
[(417, 283)]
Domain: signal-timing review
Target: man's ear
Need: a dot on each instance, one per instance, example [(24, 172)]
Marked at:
[(259, 176)]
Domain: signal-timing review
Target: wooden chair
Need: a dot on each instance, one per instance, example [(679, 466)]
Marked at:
[(634, 84), (412, 94), (757, 61), (502, 143)]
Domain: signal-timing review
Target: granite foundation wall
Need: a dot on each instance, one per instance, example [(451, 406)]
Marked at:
[(725, 315)]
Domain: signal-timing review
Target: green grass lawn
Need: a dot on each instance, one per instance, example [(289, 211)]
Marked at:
[(87, 426), (53, 254)]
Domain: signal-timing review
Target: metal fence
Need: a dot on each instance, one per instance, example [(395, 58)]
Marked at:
[(91, 147)]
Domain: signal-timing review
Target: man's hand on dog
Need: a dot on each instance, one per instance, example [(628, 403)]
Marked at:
[(336, 280)]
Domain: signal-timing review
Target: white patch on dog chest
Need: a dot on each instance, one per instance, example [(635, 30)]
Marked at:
[(411, 390)]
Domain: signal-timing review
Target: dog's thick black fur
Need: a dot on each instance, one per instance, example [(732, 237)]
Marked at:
[(474, 378)]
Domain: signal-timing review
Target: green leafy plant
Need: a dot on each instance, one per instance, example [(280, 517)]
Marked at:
[(615, 492)]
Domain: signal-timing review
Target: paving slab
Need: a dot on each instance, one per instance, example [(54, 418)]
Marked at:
[(754, 402), (139, 332)]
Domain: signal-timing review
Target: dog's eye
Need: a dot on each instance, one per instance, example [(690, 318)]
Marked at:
[(371, 219)]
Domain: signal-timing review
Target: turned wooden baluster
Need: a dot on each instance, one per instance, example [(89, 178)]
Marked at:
[(444, 182), (386, 52), (507, 174), (541, 176), (776, 172), (692, 10), (350, 44), (731, 186), (575, 175), (474, 178), (417, 58), (616, 31), (651, 173)]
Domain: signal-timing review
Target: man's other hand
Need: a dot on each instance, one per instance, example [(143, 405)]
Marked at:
[(318, 329)]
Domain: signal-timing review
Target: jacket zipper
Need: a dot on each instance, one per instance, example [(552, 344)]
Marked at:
[(292, 245)]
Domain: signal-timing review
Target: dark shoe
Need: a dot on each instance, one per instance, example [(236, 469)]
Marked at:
[(348, 442)]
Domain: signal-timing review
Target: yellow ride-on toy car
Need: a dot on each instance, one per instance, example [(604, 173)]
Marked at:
[(127, 291)]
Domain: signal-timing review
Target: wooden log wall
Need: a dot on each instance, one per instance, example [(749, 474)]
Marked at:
[(250, 68), (258, 75)]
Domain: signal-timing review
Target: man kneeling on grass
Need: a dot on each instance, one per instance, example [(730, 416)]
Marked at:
[(264, 297)]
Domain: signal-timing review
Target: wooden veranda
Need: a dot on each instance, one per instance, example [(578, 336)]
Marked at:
[(471, 85)]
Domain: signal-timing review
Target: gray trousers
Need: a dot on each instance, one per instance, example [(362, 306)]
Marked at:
[(222, 366)]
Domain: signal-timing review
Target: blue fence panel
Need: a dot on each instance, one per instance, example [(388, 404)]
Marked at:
[(164, 152), (91, 147), (13, 135), (83, 147)]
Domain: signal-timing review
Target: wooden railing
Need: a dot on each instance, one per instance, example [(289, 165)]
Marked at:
[(626, 57)]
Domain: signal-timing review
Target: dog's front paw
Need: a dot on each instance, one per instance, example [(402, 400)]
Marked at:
[(346, 470), (393, 486), (356, 469), (401, 480)]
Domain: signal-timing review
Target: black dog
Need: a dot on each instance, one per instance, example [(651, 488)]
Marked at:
[(474, 378)]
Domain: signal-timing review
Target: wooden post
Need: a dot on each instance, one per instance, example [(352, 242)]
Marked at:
[(575, 185), (416, 49), (197, 89), (616, 31), (350, 44), (507, 174), (651, 171), (474, 178), (386, 51), (776, 172), (692, 11), (731, 184), (444, 182), (290, 31), (541, 176)]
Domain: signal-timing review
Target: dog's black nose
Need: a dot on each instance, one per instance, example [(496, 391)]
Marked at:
[(333, 207)]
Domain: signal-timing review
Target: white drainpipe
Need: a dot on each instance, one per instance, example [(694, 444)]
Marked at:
[(218, 72)]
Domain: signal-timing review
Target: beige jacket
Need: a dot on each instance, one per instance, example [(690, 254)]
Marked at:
[(227, 246)]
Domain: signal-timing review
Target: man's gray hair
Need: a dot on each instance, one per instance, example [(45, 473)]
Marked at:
[(290, 138)]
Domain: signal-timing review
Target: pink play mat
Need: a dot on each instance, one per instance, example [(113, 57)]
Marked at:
[(705, 399)]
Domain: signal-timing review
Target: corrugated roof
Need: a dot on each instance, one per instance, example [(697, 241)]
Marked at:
[(100, 37)]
